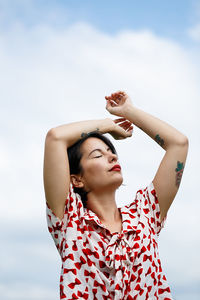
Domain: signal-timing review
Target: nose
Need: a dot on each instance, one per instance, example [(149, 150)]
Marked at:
[(113, 157)]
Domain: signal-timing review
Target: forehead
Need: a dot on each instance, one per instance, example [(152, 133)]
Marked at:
[(92, 143)]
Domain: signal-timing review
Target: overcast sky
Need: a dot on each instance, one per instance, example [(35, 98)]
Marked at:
[(58, 59)]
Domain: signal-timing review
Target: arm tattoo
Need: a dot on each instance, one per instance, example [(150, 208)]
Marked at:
[(84, 134), (159, 140), (179, 172)]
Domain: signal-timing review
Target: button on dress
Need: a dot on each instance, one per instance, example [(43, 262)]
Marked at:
[(98, 264)]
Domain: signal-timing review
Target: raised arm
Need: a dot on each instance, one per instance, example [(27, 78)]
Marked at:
[(56, 164), (168, 176)]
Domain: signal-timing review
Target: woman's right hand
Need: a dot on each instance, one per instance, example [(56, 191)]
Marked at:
[(121, 128), (118, 104)]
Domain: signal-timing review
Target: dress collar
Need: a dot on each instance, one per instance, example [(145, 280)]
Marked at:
[(129, 218)]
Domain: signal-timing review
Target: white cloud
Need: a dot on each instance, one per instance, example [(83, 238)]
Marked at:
[(50, 77), (194, 33), (21, 291)]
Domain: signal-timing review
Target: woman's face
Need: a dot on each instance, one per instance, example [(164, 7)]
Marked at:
[(97, 162)]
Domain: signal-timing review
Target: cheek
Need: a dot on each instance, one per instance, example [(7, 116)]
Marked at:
[(95, 168)]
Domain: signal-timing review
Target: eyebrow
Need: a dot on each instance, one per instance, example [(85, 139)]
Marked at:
[(98, 150)]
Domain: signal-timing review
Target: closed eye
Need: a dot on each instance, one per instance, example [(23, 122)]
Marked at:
[(97, 156)]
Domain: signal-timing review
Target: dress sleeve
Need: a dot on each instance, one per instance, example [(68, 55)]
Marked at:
[(147, 202), (58, 227)]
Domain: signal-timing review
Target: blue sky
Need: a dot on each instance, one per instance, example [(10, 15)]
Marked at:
[(166, 18), (57, 56)]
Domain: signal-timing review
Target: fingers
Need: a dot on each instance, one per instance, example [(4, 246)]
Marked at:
[(111, 103), (122, 133), (122, 121), (128, 132), (119, 120), (116, 96), (125, 124)]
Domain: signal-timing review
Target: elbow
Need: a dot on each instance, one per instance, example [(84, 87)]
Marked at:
[(183, 141), (52, 135), (180, 142), (183, 144)]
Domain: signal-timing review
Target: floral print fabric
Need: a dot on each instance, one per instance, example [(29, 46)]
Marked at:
[(98, 264)]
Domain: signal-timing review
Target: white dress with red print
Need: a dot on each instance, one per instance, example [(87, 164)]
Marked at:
[(98, 264)]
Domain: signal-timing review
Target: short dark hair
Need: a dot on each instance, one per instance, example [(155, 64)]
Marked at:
[(75, 155)]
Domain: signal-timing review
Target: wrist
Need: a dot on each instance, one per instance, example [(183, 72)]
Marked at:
[(107, 125), (129, 112)]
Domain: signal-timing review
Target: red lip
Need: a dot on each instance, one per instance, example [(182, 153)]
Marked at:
[(116, 168)]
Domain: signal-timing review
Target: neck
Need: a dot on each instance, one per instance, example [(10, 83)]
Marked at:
[(104, 206)]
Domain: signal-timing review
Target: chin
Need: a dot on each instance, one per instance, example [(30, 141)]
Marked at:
[(118, 182), (112, 184)]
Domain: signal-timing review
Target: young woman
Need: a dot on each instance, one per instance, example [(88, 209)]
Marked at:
[(109, 252)]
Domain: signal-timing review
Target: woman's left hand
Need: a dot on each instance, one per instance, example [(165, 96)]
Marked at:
[(121, 129), (118, 103)]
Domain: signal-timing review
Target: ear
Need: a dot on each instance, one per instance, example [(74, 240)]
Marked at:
[(76, 181)]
